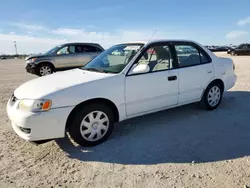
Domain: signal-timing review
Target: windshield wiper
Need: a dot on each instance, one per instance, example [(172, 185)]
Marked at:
[(94, 69)]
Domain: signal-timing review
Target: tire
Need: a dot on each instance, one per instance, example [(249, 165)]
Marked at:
[(44, 69), (85, 130), (233, 53), (212, 96)]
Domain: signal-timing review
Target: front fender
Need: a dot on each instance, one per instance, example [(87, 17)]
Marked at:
[(111, 89), (44, 60)]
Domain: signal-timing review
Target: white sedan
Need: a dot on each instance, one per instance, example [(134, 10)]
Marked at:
[(144, 78)]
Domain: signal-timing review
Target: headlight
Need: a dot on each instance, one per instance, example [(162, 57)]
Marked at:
[(35, 105), (33, 59)]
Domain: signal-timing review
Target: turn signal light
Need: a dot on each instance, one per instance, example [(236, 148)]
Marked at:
[(46, 105)]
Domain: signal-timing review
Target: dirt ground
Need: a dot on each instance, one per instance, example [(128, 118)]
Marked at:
[(182, 147)]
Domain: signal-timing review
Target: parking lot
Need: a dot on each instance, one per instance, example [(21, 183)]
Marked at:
[(181, 147)]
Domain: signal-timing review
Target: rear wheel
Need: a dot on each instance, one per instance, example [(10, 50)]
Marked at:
[(44, 69), (212, 96), (92, 125)]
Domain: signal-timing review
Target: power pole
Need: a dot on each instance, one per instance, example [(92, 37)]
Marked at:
[(15, 47)]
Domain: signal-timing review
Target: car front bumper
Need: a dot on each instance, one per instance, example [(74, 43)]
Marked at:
[(31, 68), (38, 126)]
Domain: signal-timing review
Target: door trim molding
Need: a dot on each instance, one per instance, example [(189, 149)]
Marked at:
[(150, 99)]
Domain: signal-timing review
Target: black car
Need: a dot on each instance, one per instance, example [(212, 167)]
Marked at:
[(243, 49), (217, 48), (222, 48), (230, 49)]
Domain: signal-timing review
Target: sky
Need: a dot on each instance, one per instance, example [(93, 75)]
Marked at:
[(37, 26)]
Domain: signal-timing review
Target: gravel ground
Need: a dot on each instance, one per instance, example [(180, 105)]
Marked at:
[(182, 147)]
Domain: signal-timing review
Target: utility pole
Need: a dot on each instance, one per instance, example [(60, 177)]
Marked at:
[(15, 47)]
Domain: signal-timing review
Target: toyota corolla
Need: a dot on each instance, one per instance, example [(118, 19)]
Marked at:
[(125, 81)]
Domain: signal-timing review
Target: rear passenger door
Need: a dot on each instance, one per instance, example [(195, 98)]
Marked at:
[(195, 71), (86, 53)]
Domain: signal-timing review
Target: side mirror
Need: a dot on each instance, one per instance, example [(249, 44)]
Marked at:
[(142, 68)]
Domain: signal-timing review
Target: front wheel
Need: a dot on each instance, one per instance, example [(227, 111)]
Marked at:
[(233, 53), (44, 69), (92, 125), (212, 96)]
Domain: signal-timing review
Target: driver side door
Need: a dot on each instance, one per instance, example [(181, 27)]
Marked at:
[(156, 89), (241, 50), (66, 57)]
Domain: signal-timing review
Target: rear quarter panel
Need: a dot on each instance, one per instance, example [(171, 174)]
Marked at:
[(224, 70)]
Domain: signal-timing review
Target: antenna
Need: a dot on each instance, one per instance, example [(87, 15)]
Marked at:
[(153, 35)]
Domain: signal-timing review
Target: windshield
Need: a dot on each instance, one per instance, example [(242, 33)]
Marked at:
[(114, 59), (51, 51)]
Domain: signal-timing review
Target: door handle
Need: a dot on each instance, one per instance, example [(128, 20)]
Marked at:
[(172, 78), (209, 72)]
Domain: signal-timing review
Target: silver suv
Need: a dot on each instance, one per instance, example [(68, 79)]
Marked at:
[(62, 57)]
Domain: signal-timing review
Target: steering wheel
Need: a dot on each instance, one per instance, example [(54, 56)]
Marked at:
[(105, 62)]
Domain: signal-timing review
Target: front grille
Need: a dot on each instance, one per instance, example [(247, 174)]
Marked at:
[(28, 65), (30, 68), (13, 99), (25, 130)]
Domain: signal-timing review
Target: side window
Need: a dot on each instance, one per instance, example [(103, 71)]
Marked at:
[(246, 46), (98, 49), (66, 50), (72, 49), (204, 58), (242, 46), (88, 48), (158, 58), (189, 55), (79, 49)]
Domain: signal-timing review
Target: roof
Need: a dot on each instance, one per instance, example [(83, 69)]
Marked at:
[(75, 43), (171, 40), (159, 40), (135, 42)]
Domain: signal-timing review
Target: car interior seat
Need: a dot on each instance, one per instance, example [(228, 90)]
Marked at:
[(163, 59)]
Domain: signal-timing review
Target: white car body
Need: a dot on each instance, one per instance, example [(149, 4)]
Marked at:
[(132, 95)]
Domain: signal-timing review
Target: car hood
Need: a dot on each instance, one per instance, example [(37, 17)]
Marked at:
[(34, 56), (39, 88)]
